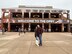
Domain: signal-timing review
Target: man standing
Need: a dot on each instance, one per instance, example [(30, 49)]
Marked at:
[(39, 34)]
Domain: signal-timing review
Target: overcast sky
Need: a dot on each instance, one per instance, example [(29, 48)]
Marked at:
[(62, 4)]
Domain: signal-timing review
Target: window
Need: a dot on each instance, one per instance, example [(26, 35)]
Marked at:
[(35, 10), (17, 15), (41, 11), (47, 11), (54, 15), (46, 15), (36, 15), (28, 10), (26, 15), (19, 10), (12, 10)]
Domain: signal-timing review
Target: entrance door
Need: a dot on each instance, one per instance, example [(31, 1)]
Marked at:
[(65, 27), (55, 27), (15, 27), (26, 26), (33, 26), (46, 27), (5, 26)]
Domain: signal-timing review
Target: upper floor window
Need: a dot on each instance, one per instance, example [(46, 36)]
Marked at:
[(28, 10), (26, 15), (19, 10), (35, 11), (46, 15), (17, 15), (54, 15), (41, 11), (36, 15), (47, 11)]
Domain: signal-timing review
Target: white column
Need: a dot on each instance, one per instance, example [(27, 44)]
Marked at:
[(49, 16), (62, 27), (22, 14), (43, 26), (29, 28), (49, 27), (43, 15), (22, 26), (29, 15), (22, 18)]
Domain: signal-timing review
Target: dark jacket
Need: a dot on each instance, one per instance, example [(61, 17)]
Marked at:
[(39, 31), (35, 32)]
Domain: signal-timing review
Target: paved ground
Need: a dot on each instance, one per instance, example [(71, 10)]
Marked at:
[(53, 43)]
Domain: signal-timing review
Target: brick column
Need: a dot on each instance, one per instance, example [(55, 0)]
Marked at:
[(2, 19), (9, 22)]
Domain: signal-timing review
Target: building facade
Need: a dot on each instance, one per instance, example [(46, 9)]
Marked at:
[(0, 24), (28, 17)]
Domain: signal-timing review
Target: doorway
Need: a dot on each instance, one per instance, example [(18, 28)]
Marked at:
[(15, 27), (55, 27), (33, 26)]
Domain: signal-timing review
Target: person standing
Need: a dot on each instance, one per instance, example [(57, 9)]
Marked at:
[(37, 37), (39, 34)]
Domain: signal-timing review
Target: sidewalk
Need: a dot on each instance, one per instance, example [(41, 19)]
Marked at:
[(53, 43)]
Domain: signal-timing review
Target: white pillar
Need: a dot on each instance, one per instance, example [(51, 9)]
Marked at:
[(29, 28), (49, 27)]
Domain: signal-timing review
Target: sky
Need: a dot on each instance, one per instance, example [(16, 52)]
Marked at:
[(62, 4)]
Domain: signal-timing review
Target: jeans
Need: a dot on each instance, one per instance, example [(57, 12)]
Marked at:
[(37, 38), (37, 41), (40, 39)]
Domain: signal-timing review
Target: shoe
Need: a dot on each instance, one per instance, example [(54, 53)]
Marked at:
[(40, 44), (37, 44)]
